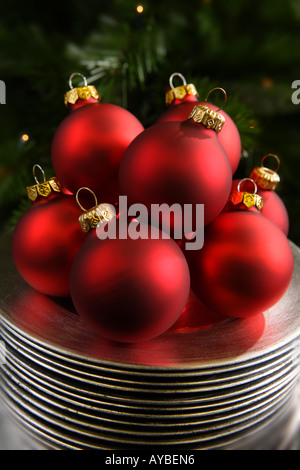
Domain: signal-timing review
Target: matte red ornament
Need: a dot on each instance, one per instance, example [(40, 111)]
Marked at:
[(178, 163), (246, 263), (267, 181), (88, 145), (273, 207), (229, 139), (47, 238), (129, 290), (180, 103), (180, 100)]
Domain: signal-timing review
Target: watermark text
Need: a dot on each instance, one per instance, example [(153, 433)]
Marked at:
[(161, 221), (2, 92), (296, 94)]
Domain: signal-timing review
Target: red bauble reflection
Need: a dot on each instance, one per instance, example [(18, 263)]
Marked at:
[(196, 316), (177, 163), (45, 241), (130, 290), (41, 315), (273, 207), (245, 265), (88, 145)]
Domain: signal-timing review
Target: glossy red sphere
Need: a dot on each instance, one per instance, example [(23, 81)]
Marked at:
[(130, 290), (177, 163), (45, 241), (245, 265), (88, 145), (229, 136)]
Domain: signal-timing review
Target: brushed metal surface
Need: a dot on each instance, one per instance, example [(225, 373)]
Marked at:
[(51, 429), (202, 385), (138, 425), (208, 382), (163, 405), (146, 415), (80, 370)]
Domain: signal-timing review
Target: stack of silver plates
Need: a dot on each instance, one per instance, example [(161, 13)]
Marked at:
[(208, 383)]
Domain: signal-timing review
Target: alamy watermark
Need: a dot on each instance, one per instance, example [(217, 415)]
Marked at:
[(2, 92), (296, 94), (2, 353), (162, 221)]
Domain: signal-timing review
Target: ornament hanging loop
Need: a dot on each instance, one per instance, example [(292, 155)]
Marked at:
[(97, 215), (44, 188), (77, 198), (176, 74), (244, 199), (74, 75), (181, 91), (266, 178), (243, 181), (41, 170), (84, 92), (224, 93), (275, 157)]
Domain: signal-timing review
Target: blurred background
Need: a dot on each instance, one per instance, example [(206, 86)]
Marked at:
[(128, 51)]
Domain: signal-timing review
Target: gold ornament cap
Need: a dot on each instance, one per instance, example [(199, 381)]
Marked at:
[(179, 92), (245, 199), (264, 177), (84, 92), (43, 189), (211, 119), (100, 213)]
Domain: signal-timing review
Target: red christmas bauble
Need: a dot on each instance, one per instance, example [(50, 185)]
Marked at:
[(245, 265), (45, 241), (89, 143), (229, 138), (129, 290), (181, 104), (267, 181), (180, 101), (177, 163), (179, 110), (273, 207)]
